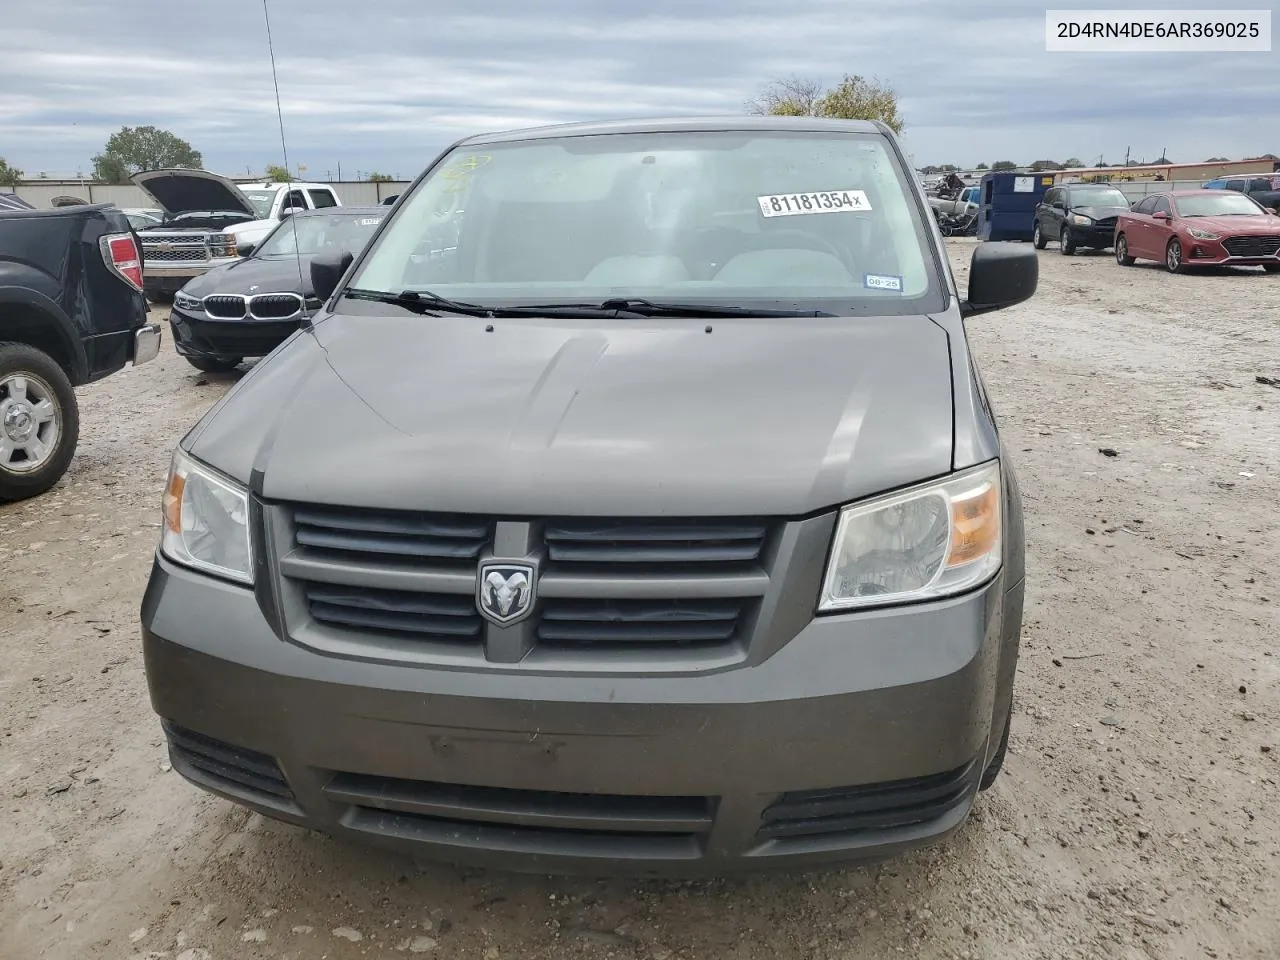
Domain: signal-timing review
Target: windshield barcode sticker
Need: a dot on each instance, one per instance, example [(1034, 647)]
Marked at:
[(823, 201)]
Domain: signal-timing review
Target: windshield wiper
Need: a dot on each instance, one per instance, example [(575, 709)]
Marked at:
[(636, 306), (420, 301)]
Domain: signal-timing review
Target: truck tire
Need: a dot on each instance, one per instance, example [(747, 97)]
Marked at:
[(39, 422), (215, 364)]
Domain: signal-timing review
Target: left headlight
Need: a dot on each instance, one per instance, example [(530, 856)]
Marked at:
[(206, 521), (930, 541), (1202, 234), (184, 301), (223, 245), (1081, 220)]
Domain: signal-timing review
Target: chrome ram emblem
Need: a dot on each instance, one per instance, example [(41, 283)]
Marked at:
[(505, 591)]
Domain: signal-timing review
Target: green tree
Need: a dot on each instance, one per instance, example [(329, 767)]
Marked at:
[(853, 98), (1041, 165), (132, 150), (1004, 165), (376, 177), (1218, 160), (1071, 162), (9, 176), (278, 174), (981, 166)]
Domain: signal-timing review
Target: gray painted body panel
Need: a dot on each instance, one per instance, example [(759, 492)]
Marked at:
[(632, 417)]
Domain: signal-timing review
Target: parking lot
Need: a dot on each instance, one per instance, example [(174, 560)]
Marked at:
[(1135, 818)]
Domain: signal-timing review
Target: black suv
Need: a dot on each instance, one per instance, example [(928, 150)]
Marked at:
[(1079, 215)]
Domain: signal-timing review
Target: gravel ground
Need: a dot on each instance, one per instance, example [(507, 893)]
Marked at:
[(1136, 817)]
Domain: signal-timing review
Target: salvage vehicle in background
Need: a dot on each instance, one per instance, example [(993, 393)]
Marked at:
[(71, 312), (1078, 215), (962, 206), (205, 218), (659, 525), (248, 308), (1199, 228), (1264, 188)]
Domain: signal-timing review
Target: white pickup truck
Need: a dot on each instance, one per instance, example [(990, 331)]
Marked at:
[(963, 205), (208, 219)]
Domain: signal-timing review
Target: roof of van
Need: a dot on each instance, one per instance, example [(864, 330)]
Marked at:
[(684, 125)]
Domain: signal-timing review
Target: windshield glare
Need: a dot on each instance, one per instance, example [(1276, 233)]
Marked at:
[(697, 217), (309, 235), (1217, 205), (261, 200), (1098, 197)]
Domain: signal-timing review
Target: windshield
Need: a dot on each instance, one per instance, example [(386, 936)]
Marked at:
[(1098, 197), (320, 234), (762, 218), (261, 200), (1217, 205)]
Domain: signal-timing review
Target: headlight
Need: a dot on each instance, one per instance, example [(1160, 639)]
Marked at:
[(1081, 219), (1202, 234), (930, 541), (184, 301), (206, 521), (223, 245)]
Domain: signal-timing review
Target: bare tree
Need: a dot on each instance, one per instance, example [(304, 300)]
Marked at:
[(853, 98), (792, 97)]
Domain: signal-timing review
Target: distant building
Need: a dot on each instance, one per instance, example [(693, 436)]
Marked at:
[(1168, 171)]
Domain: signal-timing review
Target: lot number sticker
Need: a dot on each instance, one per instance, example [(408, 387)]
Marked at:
[(824, 201)]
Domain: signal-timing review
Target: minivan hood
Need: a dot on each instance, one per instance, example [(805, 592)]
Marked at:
[(185, 191), (604, 418)]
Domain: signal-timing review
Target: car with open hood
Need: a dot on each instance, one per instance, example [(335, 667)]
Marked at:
[(1078, 215), (249, 307), (206, 217), (1184, 229), (633, 504)]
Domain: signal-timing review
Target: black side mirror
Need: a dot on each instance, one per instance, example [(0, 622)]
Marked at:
[(327, 271), (246, 248), (1000, 275)]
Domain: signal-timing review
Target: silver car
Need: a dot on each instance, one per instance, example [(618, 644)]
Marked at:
[(656, 523)]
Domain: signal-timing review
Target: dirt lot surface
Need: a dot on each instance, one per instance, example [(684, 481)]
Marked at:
[(1136, 818)]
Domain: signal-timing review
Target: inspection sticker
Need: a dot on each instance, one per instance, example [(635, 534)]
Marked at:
[(874, 281), (370, 221), (823, 201)]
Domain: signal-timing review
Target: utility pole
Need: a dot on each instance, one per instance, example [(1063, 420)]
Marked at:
[(339, 171)]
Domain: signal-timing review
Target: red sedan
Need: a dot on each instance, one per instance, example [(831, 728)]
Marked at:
[(1195, 228)]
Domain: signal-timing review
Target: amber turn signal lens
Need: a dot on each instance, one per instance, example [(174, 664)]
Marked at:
[(173, 501), (975, 525)]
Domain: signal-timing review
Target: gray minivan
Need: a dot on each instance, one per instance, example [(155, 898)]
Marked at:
[(633, 505)]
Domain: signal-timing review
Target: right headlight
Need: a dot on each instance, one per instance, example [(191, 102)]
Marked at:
[(930, 541), (184, 301), (206, 521)]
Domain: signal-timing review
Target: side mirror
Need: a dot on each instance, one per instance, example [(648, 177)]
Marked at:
[(1271, 210), (1159, 215), (246, 248), (327, 271), (1000, 275), (286, 212)]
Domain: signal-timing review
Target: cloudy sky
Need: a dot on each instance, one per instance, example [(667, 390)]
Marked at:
[(384, 84)]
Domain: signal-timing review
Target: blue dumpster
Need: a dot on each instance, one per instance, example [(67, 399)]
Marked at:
[(1007, 204)]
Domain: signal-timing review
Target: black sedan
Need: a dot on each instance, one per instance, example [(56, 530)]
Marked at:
[(248, 308), (1079, 215)]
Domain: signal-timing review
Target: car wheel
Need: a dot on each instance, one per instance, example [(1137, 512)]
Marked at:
[(1122, 251), (39, 421), (997, 762), (1067, 245), (1037, 237), (215, 364), (1173, 257)]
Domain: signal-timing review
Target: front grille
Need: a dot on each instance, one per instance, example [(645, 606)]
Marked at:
[(1106, 223), (275, 306), (179, 248), (391, 535), (448, 618), (713, 541), (639, 622), (526, 821), (849, 811), (1252, 246), (222, 766), (225, 307)]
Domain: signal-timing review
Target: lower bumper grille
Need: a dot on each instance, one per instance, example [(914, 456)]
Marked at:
[(242, 773), (526, 821), (1252, 246), (849, 811)]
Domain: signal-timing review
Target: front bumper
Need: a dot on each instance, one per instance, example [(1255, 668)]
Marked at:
[(888, 713), (201, 337), (170, 276), (1211, 253), (1094, 237)]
